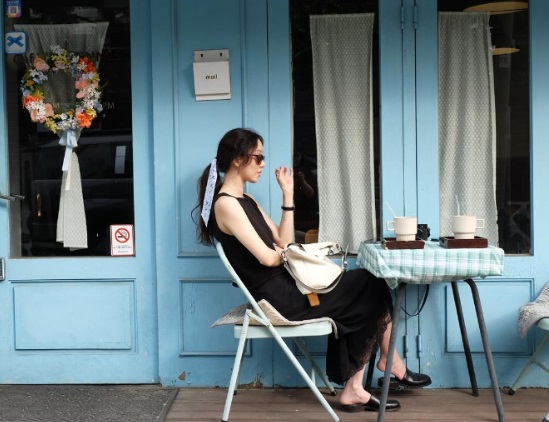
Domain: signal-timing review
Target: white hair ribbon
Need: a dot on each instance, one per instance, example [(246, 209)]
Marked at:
[(208, 195), (69, 139)]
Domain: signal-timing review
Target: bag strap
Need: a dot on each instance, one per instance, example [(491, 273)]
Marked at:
[(313, 299), (424, 300)]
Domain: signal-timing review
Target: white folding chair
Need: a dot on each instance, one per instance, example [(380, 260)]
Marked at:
[(544, 325), (266, 329)]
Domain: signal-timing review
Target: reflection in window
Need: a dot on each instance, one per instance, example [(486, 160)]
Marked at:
[(104, 150)]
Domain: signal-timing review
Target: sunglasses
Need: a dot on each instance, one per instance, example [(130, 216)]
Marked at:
[(259, 158)]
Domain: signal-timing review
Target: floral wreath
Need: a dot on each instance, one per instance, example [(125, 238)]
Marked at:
[(59, 118)]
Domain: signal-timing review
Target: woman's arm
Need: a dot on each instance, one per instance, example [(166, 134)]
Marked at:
[(284, 232), (232, 219)]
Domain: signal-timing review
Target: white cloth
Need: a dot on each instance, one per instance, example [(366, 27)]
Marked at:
[(236, 316), (467, 121), (342, 76), (532, 312), (71, 221)]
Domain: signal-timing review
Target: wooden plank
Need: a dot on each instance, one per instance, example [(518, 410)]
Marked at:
[(527, 405)]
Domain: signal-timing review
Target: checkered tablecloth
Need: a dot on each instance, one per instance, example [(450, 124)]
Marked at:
[(433, 264)]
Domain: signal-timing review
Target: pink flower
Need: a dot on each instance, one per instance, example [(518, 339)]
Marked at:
[(40, 117), (82, 83), (60, 64), (49, 110), (40, 64), (34, 116)]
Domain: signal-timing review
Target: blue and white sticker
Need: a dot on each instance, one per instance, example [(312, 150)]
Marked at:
[(13, 8), (15, 42)]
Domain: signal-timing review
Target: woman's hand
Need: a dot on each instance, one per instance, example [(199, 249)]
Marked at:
[(283, 233), (285, 179)]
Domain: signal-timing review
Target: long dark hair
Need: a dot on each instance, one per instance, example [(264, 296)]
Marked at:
[(236, 143)]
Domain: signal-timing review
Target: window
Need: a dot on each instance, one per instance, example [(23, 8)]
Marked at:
[(305, 141), (104, 150), (510, 39)]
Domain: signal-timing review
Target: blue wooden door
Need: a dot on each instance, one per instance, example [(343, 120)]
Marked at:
[(193, 287), (439, 342), (80, 316)]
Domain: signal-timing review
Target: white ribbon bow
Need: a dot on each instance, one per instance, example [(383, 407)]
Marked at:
[(208, 195)]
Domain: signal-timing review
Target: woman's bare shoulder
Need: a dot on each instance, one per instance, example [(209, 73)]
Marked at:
[(228, 205)]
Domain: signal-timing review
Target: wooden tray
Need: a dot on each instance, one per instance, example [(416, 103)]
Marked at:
[(392, 243), (450, 243)]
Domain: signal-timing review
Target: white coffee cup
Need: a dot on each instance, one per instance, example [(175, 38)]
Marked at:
[(405, 228), (465, 226)]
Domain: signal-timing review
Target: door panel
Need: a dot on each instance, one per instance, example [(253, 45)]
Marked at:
[(80, 316)]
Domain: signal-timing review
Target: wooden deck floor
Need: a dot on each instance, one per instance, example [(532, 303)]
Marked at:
[(200, 405)]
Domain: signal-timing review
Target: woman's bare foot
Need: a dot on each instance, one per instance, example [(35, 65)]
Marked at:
[(398, 369), (350, 396)]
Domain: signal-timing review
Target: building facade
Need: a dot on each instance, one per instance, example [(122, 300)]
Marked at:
[(136, 303)]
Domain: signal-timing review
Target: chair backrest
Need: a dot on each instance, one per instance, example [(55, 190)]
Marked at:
[(257, 309)]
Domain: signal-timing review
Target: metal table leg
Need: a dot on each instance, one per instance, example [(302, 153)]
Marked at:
[(394, 331), (483, 333), (487, 349), (465, 339)]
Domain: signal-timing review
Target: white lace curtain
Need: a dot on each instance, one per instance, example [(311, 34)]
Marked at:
[(467, 121), (81, 38), (342, 75)]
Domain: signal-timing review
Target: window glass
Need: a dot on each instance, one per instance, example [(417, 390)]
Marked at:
[(304, 142), (509, 28), (104, 149)]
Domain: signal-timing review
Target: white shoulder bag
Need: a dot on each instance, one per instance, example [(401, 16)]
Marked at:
[(312, 269)]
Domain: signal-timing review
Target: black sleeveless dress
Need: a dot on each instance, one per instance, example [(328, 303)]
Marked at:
[(360, 305)]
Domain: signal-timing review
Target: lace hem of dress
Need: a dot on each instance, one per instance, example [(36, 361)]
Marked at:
[(372, 343)]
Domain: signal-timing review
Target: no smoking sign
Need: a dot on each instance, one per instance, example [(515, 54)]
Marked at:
[(122, 242)]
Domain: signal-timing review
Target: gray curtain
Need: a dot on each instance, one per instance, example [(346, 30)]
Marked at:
[(342, 76), (467, 121)]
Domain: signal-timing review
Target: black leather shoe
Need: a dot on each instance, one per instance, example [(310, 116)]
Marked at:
[(374, 404), (410, 379), (371, 405), (413, 379)]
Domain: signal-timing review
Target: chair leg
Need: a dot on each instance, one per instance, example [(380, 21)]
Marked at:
[(533, 360), (314, 365), (303, 373), (236, 368)]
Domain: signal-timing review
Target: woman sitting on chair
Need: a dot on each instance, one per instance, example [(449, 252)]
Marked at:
[(360, 305)]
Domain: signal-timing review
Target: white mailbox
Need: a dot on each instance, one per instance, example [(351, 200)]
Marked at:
[(212, 79)]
